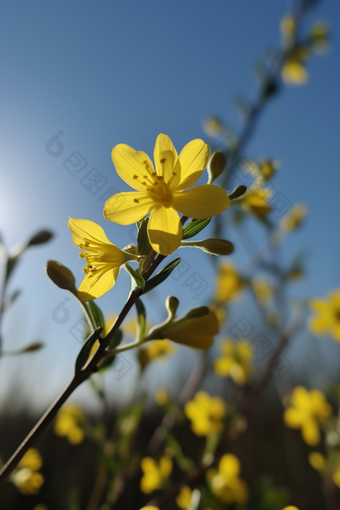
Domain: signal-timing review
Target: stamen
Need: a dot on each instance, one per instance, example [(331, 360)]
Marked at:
[(137, 201)]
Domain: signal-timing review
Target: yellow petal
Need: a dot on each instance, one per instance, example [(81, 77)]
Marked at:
[(229, 465), (193, 160), (164, 230), (165, 467), (165, 156), (127, 208), (293, 418), (93, 287), (86, 230), (222, 366), (201, 202), (311, 432), (131, 166)]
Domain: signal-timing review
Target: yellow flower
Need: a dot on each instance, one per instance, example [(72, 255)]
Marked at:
[(183, 499), (161, 397), (155, 350), (32, 460), (257, 201), (206, 413), (293, 71), (320, 37), (262, 289), (161, 192), (68, 423), (327, 318), (155, 475), (225, 483), (27, 478), (229, 283), (236, 361), (213, 126), (150, 508), (308, 409), (288, 26), (268, 167), (195, 332), (294, 218), (290, 507), (317, 461), (102, 257)]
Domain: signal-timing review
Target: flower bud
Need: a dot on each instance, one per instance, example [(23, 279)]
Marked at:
[(216, 165), (172, 304), (61, 276), (213, 126)]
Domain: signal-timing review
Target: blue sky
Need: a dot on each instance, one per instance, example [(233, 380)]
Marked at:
[(122, 72)]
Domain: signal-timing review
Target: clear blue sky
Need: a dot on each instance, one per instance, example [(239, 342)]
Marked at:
[(122, 72)]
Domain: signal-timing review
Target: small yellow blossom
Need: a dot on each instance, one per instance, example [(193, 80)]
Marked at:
[(68, 423), (288, 26), (161, 397), (294, 71), (262, 290), (257, 201), (205, 413), (225, 483), (155, 350), (150, 508), (320, 37), (290, 507), (317, 461), (268, 167), (183, 499), (103, 259), (155, 474), (307, 411), (165, 191), (327, 318), (294, 218), (27, 478), (228, 284), (235, 362)]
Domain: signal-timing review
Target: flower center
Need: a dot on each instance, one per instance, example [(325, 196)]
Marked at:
[(158, 190), (99, 257)]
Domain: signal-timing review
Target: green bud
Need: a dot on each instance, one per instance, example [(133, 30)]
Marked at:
[(212, 246), (216, 165), (172, 304), (195, 313), (40, 238), (61, 276)]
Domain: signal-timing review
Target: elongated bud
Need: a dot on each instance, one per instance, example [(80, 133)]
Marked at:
[(216, 166), (171, 305), (40, 238), (61, 276), (212, 246), (195, 313)]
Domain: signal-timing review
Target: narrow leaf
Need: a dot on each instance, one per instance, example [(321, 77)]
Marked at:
[(161, 276), (195, 227), (97, 315), (136, 277), (86, 349), (141, 317)]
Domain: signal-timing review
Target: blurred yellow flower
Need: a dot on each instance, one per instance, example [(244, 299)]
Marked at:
[(161, 397), (150, 508), (213, 126), (268, 167), (103, 259), (225, 483), (183, 499), (319, 35), (308, 409), (317, 461), (228, 283), (235, 362), (294, 71), (262, 289), (290, 507), (155, 350), (288, 26), (155, 474), (294, 218), (257, 201), (27, 478), (68, 423), (162, 192), (327, 318), (205, 413)]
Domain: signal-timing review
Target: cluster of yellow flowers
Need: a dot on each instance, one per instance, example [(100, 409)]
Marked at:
[(27, 478), (68, 423), (205, 413), (236, 361)]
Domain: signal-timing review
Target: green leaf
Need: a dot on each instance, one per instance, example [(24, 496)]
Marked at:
[(161, 276), (97, 315), (142, 236), (141, 317), (194, 228), (108, 362), (238, 192), (86, 349), (136, 276)]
